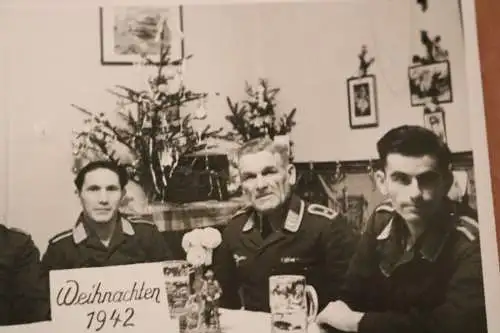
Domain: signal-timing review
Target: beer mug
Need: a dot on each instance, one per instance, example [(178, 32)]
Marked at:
[(293, 303), (177, 273)]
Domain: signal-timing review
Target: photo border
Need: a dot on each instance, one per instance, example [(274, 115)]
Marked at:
[(105, 35), (424, 100), (372, 120)]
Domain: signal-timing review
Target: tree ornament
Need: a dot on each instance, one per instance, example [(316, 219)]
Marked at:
[(151, 135)]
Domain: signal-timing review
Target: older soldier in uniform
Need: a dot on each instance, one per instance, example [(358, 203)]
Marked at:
[(101, 235), (278, 234), (23, 297), (418, 265)]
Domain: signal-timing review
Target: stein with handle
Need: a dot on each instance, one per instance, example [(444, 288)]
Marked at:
[(177, 281), (293, 303)]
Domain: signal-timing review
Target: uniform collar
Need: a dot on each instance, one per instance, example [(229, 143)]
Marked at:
[(430, 244), (293, 218), (80, 232)]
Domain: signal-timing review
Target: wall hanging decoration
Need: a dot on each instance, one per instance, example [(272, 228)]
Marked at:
[(434, 120), (130, 32), (424, 4), (152, 138), (430, 76), (362, 95)]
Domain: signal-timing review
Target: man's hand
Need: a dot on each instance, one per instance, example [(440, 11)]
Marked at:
[(338, 315)]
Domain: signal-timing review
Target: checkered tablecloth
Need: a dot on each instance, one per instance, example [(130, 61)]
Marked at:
[(177, 217)]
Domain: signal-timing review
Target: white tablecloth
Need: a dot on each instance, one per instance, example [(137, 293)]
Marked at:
[(241, 321)]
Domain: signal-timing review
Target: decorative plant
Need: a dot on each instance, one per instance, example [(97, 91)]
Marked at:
[(257, 116), (150, 135), (434, 51)]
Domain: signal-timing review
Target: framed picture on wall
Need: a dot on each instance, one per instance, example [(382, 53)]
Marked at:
[(129, 31), (430, 83), (362, 97), (435, 122)]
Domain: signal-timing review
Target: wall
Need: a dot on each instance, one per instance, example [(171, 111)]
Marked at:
[(308, 50)]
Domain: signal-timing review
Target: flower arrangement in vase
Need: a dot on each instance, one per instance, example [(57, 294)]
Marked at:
[(199, 245)]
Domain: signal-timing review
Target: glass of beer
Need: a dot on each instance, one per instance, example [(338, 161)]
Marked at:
[(177, 274)]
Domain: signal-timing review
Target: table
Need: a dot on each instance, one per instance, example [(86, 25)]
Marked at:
[(175, 217), (174, 220), (185, 217), (241, 321)]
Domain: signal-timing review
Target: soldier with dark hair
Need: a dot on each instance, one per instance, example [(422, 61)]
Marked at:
[(102, 236), (23, 296), (418, 265)]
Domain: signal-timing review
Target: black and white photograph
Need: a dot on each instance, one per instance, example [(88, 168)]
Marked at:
[(362, 97), (430, 82), (435, 122), (129, 31), (225, 150)]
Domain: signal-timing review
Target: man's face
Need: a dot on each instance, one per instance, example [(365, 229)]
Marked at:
[(415, 185), (101, 195), (266, 180)]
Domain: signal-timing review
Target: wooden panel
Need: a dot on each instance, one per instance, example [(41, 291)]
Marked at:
[(460, 160), (488, 25)]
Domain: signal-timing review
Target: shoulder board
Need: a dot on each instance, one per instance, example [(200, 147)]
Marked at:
[(469, 227), (321, 210), (60, 236), (18, 230)]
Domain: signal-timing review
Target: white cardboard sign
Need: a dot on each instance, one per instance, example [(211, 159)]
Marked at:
[(128, 298)]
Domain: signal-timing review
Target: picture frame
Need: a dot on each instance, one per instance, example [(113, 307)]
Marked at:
[(126, 31), (430, 83), (362, 98), (435, 121)]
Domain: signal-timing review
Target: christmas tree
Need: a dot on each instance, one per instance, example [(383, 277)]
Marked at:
[(150, 135), (257, 116)]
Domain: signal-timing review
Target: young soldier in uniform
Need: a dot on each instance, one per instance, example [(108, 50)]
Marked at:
[(278, 234), (101, 235), (418, 265), (23, 297)]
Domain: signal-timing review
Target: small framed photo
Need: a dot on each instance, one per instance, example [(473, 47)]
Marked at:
[(129, 31), (434, 121), (362, 96), (430, 83)]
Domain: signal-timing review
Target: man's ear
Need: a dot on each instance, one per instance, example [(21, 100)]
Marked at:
[(449, 178), (381, 181), (292, 174)]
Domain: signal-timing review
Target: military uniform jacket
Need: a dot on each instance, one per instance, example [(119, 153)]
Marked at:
[(314, 241), (436, 287), (132, 242), (23, 297)]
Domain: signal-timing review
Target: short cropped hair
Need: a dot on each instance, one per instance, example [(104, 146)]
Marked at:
[(263, 144), (103, 164), (414, 141)]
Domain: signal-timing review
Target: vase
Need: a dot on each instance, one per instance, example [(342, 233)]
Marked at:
[(192, 321)]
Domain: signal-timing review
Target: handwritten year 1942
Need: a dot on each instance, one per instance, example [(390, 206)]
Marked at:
[(99, 319)]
